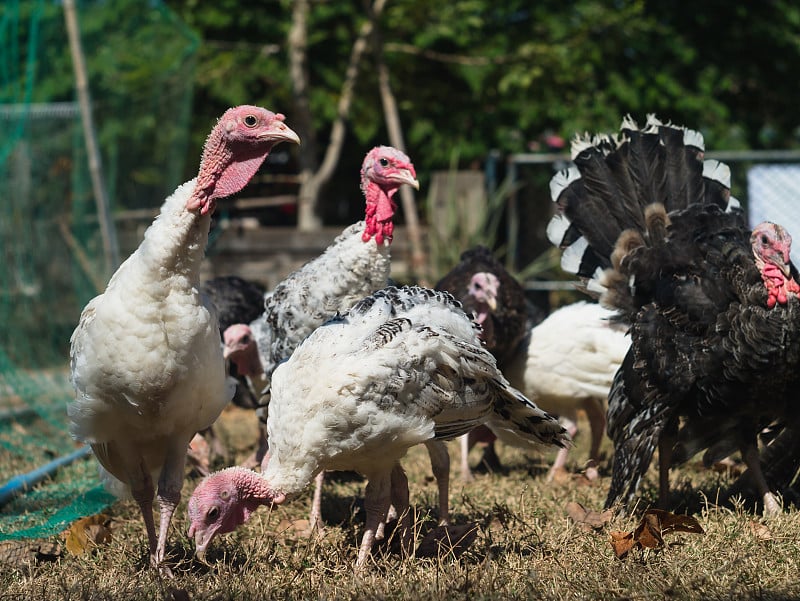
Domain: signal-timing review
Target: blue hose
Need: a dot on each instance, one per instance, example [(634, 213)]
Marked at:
[(21, 483)]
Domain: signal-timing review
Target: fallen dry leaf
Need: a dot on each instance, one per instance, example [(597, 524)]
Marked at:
[(670, 522), (649, 534), (561, 476), (294, 528), (760, 531), (622, 543), (88, 533), (22, 553), (586, 517), (444, 540)]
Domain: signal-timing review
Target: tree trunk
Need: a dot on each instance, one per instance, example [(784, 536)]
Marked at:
[(108, 230), (313, 175), (395, 130), (303, 122)]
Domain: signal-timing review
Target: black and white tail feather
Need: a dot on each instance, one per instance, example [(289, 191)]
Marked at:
[(514, 418), (613, 181), (614, 207)]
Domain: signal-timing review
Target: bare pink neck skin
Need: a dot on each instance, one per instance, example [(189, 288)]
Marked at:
[(247, 362), (253, 491), (217, 157), (779, 287), (482, 316), (379, 212)]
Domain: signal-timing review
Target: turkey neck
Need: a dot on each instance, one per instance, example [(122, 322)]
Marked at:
[(379, 212), (289, 477), (178, 237), (175, 242)]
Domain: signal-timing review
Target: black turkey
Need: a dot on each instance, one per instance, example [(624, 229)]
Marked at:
[(712, 307)]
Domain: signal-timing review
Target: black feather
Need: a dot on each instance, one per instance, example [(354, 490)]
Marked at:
[(237, 300), (710, 364)]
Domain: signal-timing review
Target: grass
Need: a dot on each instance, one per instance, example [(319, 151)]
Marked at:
[(526, 547)]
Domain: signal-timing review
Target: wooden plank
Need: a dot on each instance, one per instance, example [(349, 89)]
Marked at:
[(458, 205), (269, 254), (259, 202)]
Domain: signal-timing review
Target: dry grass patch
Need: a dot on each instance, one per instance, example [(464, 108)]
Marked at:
[(525, 546)]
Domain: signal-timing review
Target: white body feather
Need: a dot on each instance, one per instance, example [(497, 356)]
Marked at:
[(346, 272), (571, 356), (146, 360), (364, 388)]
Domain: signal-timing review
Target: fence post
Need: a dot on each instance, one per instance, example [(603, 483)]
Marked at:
[(107, 230)]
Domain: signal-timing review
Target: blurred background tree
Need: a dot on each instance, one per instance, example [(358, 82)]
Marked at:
[(475, 75)]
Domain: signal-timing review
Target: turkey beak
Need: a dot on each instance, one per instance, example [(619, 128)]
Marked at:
[(280, 132), (201, 540), (781, 262), (491, 300), (405, 176)]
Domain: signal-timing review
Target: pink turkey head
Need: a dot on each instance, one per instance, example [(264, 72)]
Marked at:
[(225, 500), (384, 170), (771, 245), (234, 150), (483, 287), (241, 349)]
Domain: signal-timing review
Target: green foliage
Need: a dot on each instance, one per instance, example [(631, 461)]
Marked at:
[(140, 62), (473, 75), (469, 75)]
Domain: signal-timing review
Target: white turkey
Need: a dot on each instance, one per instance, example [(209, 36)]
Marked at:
[(568, 362), (146, 360), (402, 367), (712, 306), (355, 265)]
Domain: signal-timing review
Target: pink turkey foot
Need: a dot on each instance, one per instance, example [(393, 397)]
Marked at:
[(489, 462), (376, 505), (752, 458), (315, 517), (399, 495), (199, 455), (558, 470), (440, 466)]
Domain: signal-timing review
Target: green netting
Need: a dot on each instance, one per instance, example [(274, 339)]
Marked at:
[(140, 60)]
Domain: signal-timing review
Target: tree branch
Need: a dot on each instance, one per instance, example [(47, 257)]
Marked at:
[(457, 59), (392, 116), (313, 177)]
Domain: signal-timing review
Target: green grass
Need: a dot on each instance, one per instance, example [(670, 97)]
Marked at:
[(526, 548)]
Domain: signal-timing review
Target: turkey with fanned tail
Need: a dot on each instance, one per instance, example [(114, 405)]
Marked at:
[(402, 367), (713, 310)]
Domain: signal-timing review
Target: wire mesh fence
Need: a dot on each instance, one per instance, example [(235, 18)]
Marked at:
[(766, 182), (140, 61)]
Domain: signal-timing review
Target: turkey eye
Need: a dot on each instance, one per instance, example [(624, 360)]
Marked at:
[(213, 513), (384, 162), (764, 239), (245, 339), (250, 121)]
